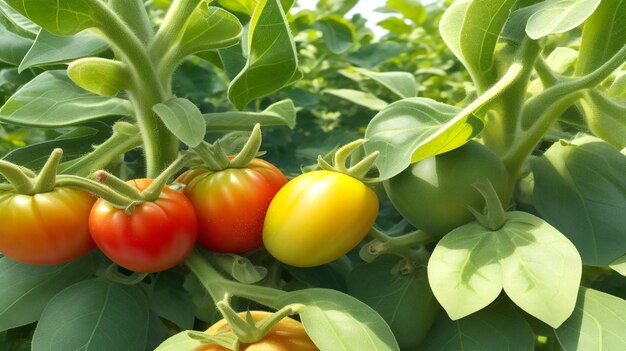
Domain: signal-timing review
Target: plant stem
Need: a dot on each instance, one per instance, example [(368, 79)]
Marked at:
[(160, 145), (134, 14), (125, 138), (95, 188), (45, 180), (217, 286), (174, 22)]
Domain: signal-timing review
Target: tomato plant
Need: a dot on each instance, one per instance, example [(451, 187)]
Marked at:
[(318, 217), (230, 204), (150, 236), (514, 109), (434, 194), (46, 228)]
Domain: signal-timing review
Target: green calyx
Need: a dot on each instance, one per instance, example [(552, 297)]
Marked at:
[(349, 160), (215, 159), (246, 330), (25, 181)]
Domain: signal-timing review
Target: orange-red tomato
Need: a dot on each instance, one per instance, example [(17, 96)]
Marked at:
[(231, 204), (287, 335), (46, 228), (153, 237)]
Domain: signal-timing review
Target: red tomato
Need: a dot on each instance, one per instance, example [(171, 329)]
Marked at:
[(153, 237), (46, 228), (231, 205)]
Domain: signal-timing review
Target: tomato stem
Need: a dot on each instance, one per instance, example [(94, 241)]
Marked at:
[(385, 244), (45, 180), (493, 216), (152, 191), (249, 150)]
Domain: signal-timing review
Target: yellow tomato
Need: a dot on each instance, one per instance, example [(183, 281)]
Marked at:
[(287, 335), (318, 217)]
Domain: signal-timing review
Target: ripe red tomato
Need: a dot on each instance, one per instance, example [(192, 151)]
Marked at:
[(153, 237), (46, 228), (231, 204)]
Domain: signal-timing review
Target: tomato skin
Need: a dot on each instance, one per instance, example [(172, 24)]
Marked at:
[(155, 236), (45, 228), (318, 217), (433, 194), (286, 335), (231, 205)]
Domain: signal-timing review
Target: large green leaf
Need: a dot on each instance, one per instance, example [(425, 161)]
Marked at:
[(74, 143), (337, 32), (413, 129), (498, 327), (362, 98), (619, 265), (94, 314), (400, 83), (62, 17), (53, 100), (471, 30), (26, 289), (603, 35), (558, 16), (597, 324), (538, 268), (405, 301), (18, 20), (272, 59), (183, 119), (580, 189), (375, 54), (278, 114), (170, 301), (336, 321), (13, 47), (49, 48), (209, 28)]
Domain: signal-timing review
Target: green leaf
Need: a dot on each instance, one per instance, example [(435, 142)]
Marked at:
[(328, 276), (178, 342), (339, 7), (26, 289), (498, 327), (272, 59), (375, 54), (413, 129), (18, 20), (13, 47), (100, 76), (183, 119), (210, 28), (233, 60), (337, 32), (400, 83), (364, 99), (336, 321), (580, 189), (605, 117), (603, 35), (170, 301), (538, 268), (618, 88), (619, 265), (561, 59), (411, 9), (94, 314), (471, 30), (74, 143), (245, 7), (50, 49), (406, 302), (53, 100), (558, 16), (281, 113), (597, 324), (62, 17)]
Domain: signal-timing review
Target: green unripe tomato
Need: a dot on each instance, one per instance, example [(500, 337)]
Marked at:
[(434, 194)]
